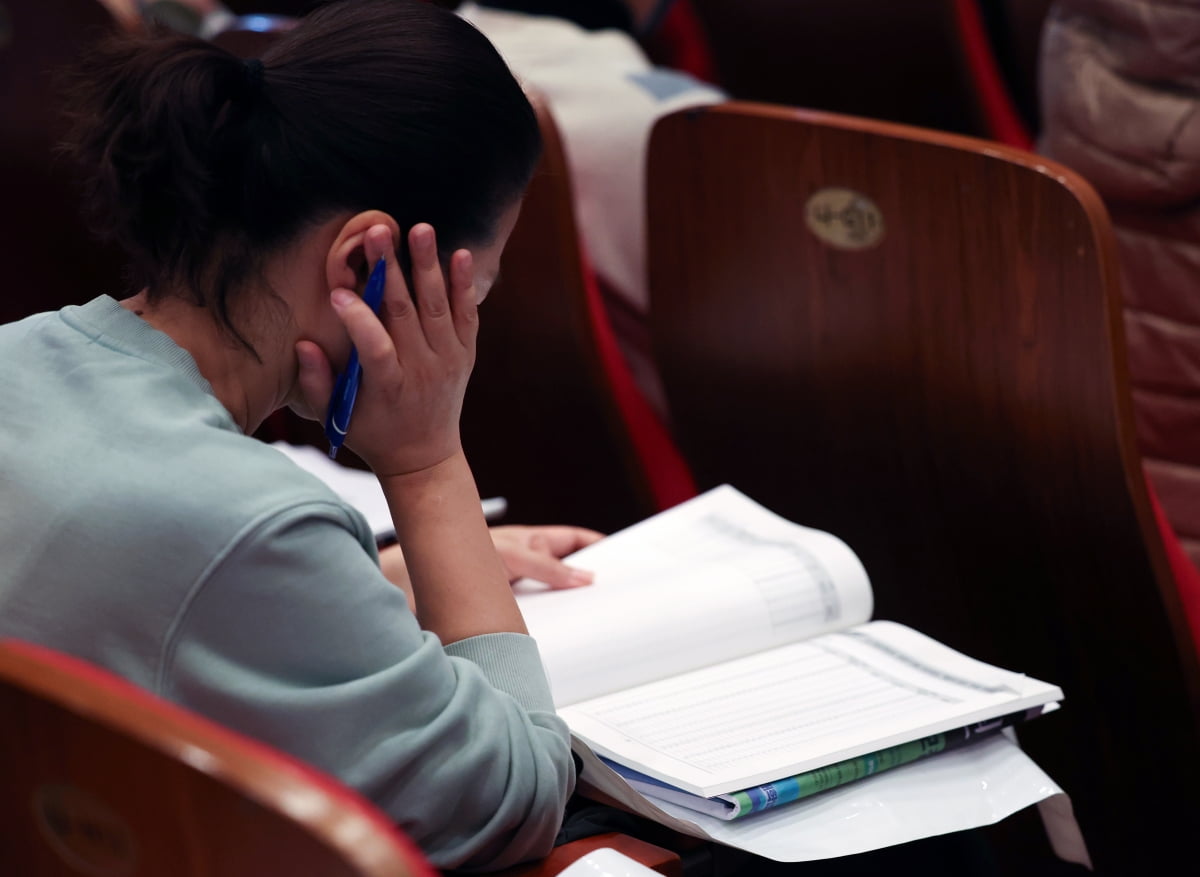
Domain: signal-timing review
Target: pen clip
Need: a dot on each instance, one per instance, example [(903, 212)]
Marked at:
[(342, 400)]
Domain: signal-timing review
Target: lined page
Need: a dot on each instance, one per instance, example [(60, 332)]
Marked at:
[(714, 578), (798, 707)]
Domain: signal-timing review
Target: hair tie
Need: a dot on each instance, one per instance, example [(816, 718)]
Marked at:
[(252, 78)]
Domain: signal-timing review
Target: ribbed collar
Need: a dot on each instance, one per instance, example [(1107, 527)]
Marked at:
[(106, 322)]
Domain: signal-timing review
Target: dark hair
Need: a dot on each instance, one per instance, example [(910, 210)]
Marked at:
[(201, 164)]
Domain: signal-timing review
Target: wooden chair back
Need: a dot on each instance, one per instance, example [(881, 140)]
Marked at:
[(546, 418), (103, 778), (913, 340), (50, 258)]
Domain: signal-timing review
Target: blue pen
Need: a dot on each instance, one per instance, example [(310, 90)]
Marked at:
[(341, 403)]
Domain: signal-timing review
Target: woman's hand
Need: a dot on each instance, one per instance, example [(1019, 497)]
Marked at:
[(531, 552), (416, 357), (535, 552)]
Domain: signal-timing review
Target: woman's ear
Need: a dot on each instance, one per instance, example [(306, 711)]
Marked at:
[(346, 263)]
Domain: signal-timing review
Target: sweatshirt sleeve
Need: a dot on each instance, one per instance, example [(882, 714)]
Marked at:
[(295, 637)]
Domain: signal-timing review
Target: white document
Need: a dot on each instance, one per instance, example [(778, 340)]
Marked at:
[(722, 646), (606, 862), (715, 578), (360, 488)]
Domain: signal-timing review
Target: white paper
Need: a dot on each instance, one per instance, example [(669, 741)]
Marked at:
[(606, 862), (955, 791), (707, 653), (712, 579), (360, 488)]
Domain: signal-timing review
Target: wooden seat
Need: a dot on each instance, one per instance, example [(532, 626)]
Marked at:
[(552, 419), (101, 777), (913, 340)]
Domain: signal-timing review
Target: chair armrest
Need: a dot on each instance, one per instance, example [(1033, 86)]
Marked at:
[(653, 857)]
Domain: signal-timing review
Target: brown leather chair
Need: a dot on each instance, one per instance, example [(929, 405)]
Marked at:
[(913, 340), (101, 777)]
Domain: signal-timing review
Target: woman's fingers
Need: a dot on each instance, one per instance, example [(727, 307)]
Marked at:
[(533, 564), (415, 364), (535, 552), (463, 298), (398, 314), (442, 320), (427, 273), (562, 540), (437, 306)]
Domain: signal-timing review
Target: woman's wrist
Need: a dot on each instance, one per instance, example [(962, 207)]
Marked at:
[(416, 491), (459, 582)]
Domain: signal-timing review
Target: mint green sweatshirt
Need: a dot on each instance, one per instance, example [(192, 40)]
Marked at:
[(142, 531)]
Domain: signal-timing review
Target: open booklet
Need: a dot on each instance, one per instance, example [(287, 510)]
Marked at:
[(723, 648), (713, 580)]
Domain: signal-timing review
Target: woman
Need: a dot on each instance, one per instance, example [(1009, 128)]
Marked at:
[(140, 526)]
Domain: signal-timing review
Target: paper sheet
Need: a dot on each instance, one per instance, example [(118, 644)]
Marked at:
[(713, 579), (360, 488), (955, 791)]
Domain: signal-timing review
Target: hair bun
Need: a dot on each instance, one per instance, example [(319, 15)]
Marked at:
[(253, 76)]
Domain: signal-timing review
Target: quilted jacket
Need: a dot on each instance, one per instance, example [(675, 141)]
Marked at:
[(1120, 97)]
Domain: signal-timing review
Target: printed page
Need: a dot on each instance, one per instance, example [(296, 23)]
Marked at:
[(715, 578), (798, 707)]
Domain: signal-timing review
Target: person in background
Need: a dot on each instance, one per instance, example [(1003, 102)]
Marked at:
[(1120, 98), (142, 527)]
